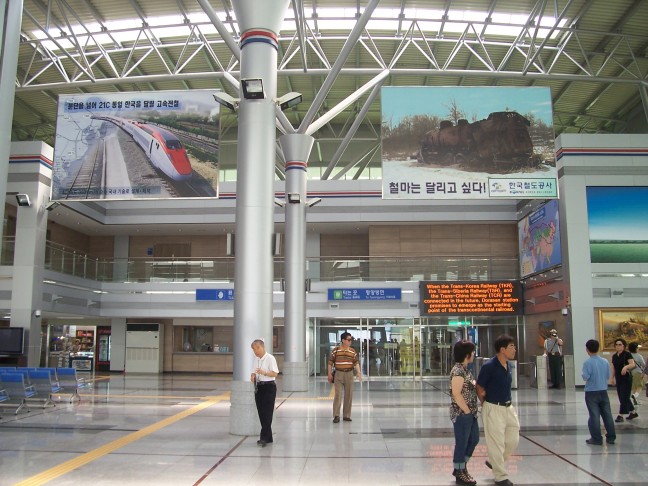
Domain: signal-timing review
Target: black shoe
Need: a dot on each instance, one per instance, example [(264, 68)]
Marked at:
[(633, 415), (488, 465), (619, 418), (593, 442), (611, 442), (463, 478), (347, 419), (262, 443), (634, 400), (336, 419), (504, 482)]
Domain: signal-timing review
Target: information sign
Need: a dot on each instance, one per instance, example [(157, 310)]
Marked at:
[(481, 298), (364, 294), (214, 294)]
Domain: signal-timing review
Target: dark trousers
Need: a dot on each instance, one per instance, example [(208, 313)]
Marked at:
[(598, 406), (555, 369), (466, 432), (265, 402), (624, 390)]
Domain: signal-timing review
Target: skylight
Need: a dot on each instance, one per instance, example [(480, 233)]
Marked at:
[(383, 19)]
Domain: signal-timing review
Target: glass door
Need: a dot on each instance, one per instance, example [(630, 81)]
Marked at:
[(387, 348)]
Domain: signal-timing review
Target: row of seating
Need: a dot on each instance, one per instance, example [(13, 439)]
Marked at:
[(19, 385)]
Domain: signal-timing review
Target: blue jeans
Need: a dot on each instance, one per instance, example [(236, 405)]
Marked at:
[(466, 432), (598, 406)]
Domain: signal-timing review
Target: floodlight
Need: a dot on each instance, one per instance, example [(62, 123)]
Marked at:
[(313, 202), (226, 100), (23, 200), (289, 100), (252, 89), (294, 197), (52, 205)]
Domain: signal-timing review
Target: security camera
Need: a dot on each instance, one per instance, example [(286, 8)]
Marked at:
[(37, 313)]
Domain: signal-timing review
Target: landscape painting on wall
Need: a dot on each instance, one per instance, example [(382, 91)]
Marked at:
[(628, 324), (617, 229)]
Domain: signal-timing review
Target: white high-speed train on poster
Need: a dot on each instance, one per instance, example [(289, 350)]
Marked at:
[(163, 149)]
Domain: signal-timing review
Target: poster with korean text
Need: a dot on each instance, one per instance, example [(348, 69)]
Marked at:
[(468, 143), (159, 144)]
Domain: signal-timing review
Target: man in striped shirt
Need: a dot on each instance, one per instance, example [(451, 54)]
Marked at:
[(344, 359)]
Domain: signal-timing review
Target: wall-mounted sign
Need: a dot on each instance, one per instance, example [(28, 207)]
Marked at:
[(364, 294), (214, 294), (481, 298)]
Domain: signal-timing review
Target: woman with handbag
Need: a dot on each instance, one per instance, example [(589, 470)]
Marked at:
[(463, 411)]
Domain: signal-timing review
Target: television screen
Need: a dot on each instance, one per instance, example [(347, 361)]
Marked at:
[(11, 340), (539, 239)]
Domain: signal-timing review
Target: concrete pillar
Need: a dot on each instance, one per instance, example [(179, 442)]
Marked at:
[(29, 260), (296, 149), (570, 372), (120, 253), (259, 23)]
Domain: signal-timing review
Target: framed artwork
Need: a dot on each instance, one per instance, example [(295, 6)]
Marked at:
[(628, 324)]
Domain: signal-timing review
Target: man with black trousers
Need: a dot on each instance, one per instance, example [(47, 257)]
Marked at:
[(263, 376)]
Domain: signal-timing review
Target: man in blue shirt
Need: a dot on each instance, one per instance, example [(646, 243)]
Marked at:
[(596, 373), (501, 424)]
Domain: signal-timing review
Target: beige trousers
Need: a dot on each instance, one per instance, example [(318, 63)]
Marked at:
[(502, 431), (343, 380)]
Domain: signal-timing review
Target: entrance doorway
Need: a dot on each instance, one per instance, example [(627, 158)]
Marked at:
[(408, 348)]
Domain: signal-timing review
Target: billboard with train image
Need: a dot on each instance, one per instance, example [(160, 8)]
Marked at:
[(468, 143), (160, 144)]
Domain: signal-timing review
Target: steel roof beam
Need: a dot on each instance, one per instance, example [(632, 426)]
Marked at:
[(337, 66)]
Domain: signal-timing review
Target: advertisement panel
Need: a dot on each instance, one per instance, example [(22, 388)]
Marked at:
[(539, 238), (468, 143), (158, 144), (617, 224)]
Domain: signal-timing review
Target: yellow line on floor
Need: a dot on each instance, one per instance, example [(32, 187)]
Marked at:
[(88, 457)]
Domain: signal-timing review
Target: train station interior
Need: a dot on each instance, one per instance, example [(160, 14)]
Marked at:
[(185, 176)]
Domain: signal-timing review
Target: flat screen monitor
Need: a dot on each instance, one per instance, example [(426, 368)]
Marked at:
[(11, 340)]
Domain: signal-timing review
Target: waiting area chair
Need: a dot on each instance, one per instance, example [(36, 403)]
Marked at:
[(17, 391)]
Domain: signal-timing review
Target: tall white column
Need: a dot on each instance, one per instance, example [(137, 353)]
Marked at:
[(29, 260), (296, 148), (10, 23), (259, 23)]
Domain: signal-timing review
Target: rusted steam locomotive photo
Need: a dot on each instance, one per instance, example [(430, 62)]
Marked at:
[(501, 142)]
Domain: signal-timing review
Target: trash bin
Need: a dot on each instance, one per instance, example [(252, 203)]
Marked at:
[(514, 373)]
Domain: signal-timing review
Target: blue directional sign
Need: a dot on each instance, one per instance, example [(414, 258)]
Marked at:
[(364, 294), (214, 294)]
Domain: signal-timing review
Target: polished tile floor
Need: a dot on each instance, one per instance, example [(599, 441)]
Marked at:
[(173, 429)]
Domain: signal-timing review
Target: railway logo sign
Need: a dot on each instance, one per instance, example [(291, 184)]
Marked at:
[(468, 143), (153, 145)]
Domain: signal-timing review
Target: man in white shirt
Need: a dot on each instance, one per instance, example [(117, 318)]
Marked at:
[(264, 372)]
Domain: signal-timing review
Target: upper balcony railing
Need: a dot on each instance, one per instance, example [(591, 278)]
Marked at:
[(61, 259)]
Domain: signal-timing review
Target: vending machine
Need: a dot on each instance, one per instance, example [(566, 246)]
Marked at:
[(103, 348)]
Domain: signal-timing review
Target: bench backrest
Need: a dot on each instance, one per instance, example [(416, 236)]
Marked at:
[(14, 385)]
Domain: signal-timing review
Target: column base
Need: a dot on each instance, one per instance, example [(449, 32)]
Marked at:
[(244, 419), (295, 376)]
